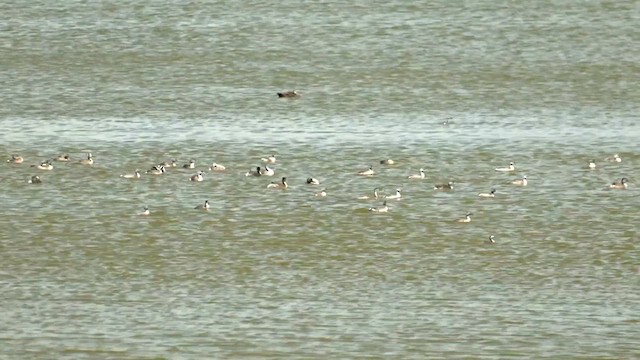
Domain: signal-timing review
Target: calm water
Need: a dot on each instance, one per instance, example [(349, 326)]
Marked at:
[(283, 274)]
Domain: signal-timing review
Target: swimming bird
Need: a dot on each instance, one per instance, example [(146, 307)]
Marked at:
[(492, 240), (520, 182), (256, 172), (368, 172), (197, 177), (621, 185), (16, 159), (511, 167), (157, 170), (169, 163), (313, 181), (135, 175), (418, 176), (489, 194), (62, 157), (380, 209), (592, 164), (217, 167), (367, 197), (88, 160), (35, 179), (267, 171), (281, 185), (444, 187), (204, 206), (269, 159), (190, 165), (288, 94), (321, 193), (387, 162), (45, 165), (466, 219), (145, 211), (615, 158), (395, 196)]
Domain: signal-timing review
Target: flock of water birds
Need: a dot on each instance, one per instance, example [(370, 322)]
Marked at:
[(267, 170)]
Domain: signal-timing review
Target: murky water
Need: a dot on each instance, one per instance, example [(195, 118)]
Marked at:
[(284, 274)]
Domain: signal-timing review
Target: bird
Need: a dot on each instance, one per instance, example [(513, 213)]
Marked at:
[(269, 159), (444, 187), (313, 181), (157, 170), (321, 193), (45, 165), (520, 182), (190, 165), (387, 162), (62, 157), (489, 194), (417, 176), (621, 185), (35, 179), (169, 163), (135, 175), (395, 196), (288, 94), (368, 172), (197, 177), (267, 171), (256, 172), (380, 209), (511, 167), (491, 240), (592, 164), (145, 211), (204, 206), (367, 197), (16, 159), (466, 219), (217, 167), (88, 160), (615, 158), (281, 185)]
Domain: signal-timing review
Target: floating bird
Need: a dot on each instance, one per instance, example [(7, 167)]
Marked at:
[(322, 193), (190, 165), (281, 185), (387, 162), (520, 182), (466, 219), (380, 209), (621, 185), (395, 196), (16, 159), (197, 177), (313, 181), (135, 175), (157, 170), (444, 187), (88, 160), (62, 157), (368, 172), (45, 165), (367, 197), (204, 206), (418, 176), (169, 163), (492, 240), (145, 211), (615, 158), (592, 164), (35, 179), (288, 94), (256, 172), (511, 167), (217, 167), (269, 159), (267, 171), (489, 194)]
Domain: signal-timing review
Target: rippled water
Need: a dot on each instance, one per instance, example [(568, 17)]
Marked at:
[(284, 274)]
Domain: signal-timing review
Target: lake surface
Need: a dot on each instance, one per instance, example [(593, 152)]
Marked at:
[(285, 274)]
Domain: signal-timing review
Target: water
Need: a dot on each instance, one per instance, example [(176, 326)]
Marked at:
[(283, 274)]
